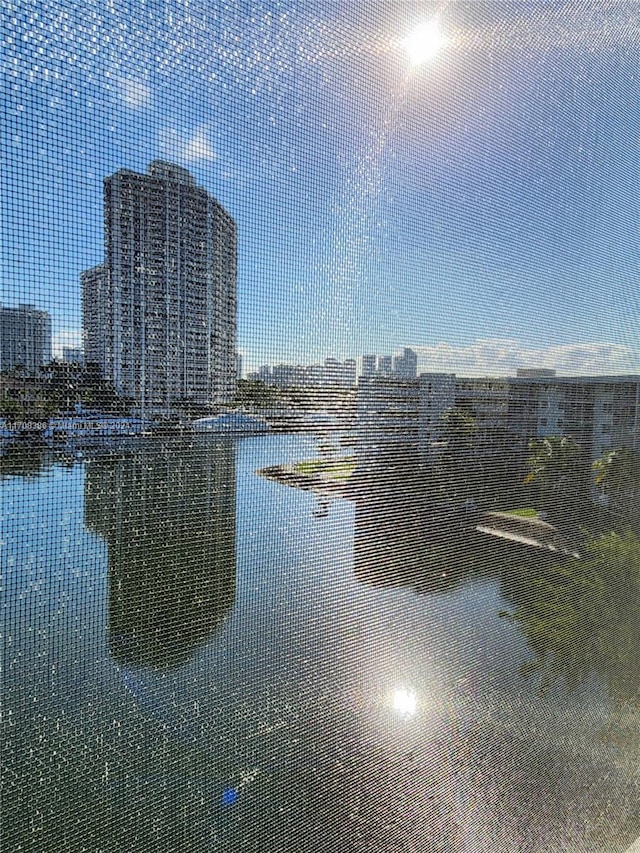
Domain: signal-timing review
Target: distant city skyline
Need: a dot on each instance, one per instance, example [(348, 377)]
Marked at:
[(495, 357), (483, 357), (478, 209), (25, 338), (331, 373)]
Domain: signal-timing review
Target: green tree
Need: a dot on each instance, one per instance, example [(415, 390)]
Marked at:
[(617, 475), (557, 468), (458, 466), (254, 393), (582, 618)]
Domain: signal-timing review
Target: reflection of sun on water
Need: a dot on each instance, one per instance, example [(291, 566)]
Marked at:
[(405, 702), (424, 42)]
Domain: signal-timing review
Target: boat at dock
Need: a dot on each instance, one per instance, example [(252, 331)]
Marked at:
[(230, 422)]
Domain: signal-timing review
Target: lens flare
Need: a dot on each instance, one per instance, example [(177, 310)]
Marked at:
[(405, 701), (424, 42)]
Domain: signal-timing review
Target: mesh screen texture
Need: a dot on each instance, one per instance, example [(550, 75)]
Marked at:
[(320, 426)]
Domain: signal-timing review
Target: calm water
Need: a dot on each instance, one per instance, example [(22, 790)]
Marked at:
[(197, 658)]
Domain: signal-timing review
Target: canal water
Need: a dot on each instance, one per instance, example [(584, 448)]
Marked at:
[(197, 658)]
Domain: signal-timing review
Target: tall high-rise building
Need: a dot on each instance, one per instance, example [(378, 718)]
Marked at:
[(25, 338), (97, 318), (405, 366), (369, 363), (73, 355), (385, 365), (160, 313)]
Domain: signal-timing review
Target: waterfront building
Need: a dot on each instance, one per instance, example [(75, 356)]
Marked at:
[(600, 413), (25, 338), (402, 416), (486, 399), (160, 313), (387, 415), (436, 395)]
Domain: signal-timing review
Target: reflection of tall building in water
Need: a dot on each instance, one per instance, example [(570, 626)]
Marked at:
[(167, 513)]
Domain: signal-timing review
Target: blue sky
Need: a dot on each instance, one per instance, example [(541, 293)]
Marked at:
[(483, 208)]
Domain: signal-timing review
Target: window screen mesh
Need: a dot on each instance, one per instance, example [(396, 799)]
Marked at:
[(320, 426)]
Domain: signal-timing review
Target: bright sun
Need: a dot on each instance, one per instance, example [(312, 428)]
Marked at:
[(405, 701), (424, 42)]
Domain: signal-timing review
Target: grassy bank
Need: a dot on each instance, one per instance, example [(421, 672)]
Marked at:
[(334, 469)]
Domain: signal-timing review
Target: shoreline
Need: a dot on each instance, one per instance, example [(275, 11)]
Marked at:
[(286, 475), (511, 530)]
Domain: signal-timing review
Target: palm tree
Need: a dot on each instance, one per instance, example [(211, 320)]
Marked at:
[(617, 474), (458, 464), (557, 466)]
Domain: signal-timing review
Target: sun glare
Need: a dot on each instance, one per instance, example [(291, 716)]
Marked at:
[(424, 42), (405, 702)]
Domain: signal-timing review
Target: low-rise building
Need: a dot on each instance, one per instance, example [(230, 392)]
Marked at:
[(332, 373), (398, 416), (600, 412)]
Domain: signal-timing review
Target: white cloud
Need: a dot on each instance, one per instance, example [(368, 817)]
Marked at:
[(498, 357), (186, 148), (134, 93)]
